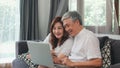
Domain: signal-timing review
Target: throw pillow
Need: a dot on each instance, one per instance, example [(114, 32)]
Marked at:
[(102, 40), (106, 56)]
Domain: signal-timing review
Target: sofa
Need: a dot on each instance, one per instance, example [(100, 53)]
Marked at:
[(109, 45), (114, 41)]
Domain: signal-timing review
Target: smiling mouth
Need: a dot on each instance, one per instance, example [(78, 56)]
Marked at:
[(58, 34)]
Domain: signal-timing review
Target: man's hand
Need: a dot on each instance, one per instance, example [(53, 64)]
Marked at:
[(57, 60), (67, 62)]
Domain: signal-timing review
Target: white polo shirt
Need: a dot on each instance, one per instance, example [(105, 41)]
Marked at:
[(85, 46)]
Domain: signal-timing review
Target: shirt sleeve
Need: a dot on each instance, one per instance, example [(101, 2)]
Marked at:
[(47, 40), (93, 48)]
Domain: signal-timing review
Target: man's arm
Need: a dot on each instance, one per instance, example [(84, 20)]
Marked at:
[(93, 63)]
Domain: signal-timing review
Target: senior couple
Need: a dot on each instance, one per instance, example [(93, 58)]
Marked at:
[(72, 45)]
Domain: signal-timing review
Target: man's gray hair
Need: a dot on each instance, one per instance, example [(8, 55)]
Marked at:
[(74, 15)]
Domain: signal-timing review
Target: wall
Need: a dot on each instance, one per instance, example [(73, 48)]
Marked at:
[(43, 9)]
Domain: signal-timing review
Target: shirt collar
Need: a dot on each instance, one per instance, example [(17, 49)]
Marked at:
[(81, 33)]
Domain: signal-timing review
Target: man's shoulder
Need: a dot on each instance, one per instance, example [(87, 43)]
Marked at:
[(70, 39)]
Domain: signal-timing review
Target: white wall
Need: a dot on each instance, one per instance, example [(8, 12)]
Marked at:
[(43, 10)]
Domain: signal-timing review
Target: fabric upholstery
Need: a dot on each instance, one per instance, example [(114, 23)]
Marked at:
[(115, 65), (21, 47), (17, 63), (115, 51)]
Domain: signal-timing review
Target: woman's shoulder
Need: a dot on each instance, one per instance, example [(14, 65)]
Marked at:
[(47, 38)]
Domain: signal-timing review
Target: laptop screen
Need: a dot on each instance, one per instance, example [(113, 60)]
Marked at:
[(40, 53)]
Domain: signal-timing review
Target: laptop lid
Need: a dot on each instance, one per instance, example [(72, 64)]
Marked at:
[(40, 53)]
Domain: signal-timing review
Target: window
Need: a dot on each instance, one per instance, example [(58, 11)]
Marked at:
[(98, 15), (72, 5), (95, 14), (9, 29), (94, 11)]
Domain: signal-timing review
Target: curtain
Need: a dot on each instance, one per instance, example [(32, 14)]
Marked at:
[(112, 17), (57, 8), (29, 26), (80, 8), (109, 8), (116, 13)]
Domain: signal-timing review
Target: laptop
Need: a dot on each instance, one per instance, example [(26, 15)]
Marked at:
[(40, 53)]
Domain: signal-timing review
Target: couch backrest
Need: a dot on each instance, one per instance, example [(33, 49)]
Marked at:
[(115, 51)]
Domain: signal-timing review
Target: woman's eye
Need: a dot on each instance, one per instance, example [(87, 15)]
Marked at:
[(60, 28)]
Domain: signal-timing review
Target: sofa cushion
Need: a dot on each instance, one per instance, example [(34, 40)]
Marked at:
[(115, 51), (115, 65)]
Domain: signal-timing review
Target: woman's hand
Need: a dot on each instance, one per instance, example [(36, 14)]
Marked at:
[(67, 62), (57, 60), (28, 56), (53, 53), (42, 66)]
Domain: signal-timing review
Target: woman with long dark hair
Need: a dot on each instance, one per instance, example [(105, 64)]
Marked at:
[(61, 43)]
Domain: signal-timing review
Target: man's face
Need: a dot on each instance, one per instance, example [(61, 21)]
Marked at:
[(70, 26)]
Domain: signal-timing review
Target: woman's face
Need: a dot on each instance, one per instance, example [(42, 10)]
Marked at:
[(58, 30)]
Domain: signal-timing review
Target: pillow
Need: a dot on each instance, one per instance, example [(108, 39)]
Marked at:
[(106, 55), (102, 40), (115, 51)]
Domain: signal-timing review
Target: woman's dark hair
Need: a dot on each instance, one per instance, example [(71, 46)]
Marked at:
[(53, 39)]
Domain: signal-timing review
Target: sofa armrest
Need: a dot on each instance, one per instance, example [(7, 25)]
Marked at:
[(18, 63), (21, 47), (115, 51)]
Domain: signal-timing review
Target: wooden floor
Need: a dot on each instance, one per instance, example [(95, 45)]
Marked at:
[(5, 65)]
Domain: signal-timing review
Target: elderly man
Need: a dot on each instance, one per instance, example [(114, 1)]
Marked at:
[(85, 52)]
